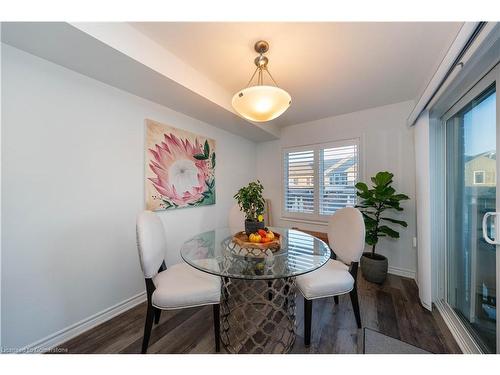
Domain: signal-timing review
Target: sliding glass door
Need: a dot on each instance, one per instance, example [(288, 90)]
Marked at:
[(471, 192)]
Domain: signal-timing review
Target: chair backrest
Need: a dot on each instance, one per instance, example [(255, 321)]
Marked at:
[(236, 219), (151, 243), (346, 234)]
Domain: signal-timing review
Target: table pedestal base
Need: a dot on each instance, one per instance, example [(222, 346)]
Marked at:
[(258, 316)]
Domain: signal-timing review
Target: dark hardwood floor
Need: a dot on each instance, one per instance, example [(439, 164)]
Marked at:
[(392, 309)]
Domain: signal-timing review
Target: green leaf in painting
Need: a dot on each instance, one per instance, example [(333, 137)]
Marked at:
[(213, 160), (206, 149), (200, 157)]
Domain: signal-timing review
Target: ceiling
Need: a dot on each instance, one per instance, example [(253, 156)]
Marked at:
[(328, 68)]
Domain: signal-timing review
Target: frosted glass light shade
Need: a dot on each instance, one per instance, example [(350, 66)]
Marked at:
[(261, 103)]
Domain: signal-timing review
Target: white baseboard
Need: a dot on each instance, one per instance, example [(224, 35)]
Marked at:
[(402, 272), (52, 341)]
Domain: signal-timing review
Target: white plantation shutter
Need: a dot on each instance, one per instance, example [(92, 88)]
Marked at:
[(320, 179), (299, 181), (338, 172)]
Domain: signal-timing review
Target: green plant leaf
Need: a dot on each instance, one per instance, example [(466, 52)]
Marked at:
[(386, 192), (250, 200), (390, 232), (368, 219), (400, 222), (401, 197), (361, 186), (384, 178), (200, 157), (371, 239)]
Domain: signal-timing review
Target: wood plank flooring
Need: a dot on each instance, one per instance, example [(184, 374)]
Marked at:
[(392, 308)]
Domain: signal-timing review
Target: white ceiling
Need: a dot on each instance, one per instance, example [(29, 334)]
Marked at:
[(328, 68)]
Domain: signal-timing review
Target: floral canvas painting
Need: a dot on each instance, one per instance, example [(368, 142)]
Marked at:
[(180, 168)]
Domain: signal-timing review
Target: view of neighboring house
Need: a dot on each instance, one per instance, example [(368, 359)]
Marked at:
[(480, 170)]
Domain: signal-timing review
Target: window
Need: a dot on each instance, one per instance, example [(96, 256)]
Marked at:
[(320, 179), (299, 181), (479, 177), (340, 166)]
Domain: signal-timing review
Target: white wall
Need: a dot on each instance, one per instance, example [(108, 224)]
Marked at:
[(72, 184), (386, 144)]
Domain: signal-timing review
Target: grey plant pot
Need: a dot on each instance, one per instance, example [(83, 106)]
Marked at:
[(374, 267), (252, 226)]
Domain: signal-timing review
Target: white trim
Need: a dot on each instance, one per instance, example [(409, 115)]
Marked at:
[(457, 329), (404, 272), (476, 90), (51, 341)]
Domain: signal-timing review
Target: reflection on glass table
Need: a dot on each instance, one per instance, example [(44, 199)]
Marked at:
[(258, 286), (215, 253)]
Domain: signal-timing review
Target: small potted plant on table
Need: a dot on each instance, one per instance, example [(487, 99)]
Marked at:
[(375, 202), (252, 203)]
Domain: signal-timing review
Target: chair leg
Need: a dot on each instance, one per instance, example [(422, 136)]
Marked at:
[(336, 299), (157, 315), (355, 305), (307, 321), (147, 328), (217, 327)]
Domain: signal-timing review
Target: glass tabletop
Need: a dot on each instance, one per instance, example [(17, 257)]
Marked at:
[(215, 252)]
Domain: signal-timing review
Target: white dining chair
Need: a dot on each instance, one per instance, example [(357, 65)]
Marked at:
[(176, 287), (236, 219), (346, 237)]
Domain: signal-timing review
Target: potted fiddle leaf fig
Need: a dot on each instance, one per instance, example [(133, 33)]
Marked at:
[(252, 203), (374, 204)]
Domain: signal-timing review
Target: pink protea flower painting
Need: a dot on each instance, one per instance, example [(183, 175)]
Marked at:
[(180, 168)]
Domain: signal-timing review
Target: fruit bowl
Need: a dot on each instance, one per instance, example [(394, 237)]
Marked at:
[(242, 239)]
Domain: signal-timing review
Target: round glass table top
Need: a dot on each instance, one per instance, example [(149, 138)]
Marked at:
[(215, 252)]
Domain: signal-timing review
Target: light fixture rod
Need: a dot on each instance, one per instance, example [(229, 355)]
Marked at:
[(261, 62), (253, 75), (268, 72)]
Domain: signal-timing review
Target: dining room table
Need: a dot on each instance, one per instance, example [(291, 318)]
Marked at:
[(258, 288)]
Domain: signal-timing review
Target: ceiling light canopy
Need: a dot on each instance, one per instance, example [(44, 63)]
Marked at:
[(261, 102)]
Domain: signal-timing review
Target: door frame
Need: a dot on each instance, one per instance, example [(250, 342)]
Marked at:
[(438, 129)]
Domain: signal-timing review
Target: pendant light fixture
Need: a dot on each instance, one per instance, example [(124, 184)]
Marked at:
[(261, 102)]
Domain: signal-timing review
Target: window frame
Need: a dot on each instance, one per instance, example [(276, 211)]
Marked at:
[(315, 216), (479, 172)]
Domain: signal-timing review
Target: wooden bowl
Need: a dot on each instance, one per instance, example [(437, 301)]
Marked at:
[(242, 240)]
